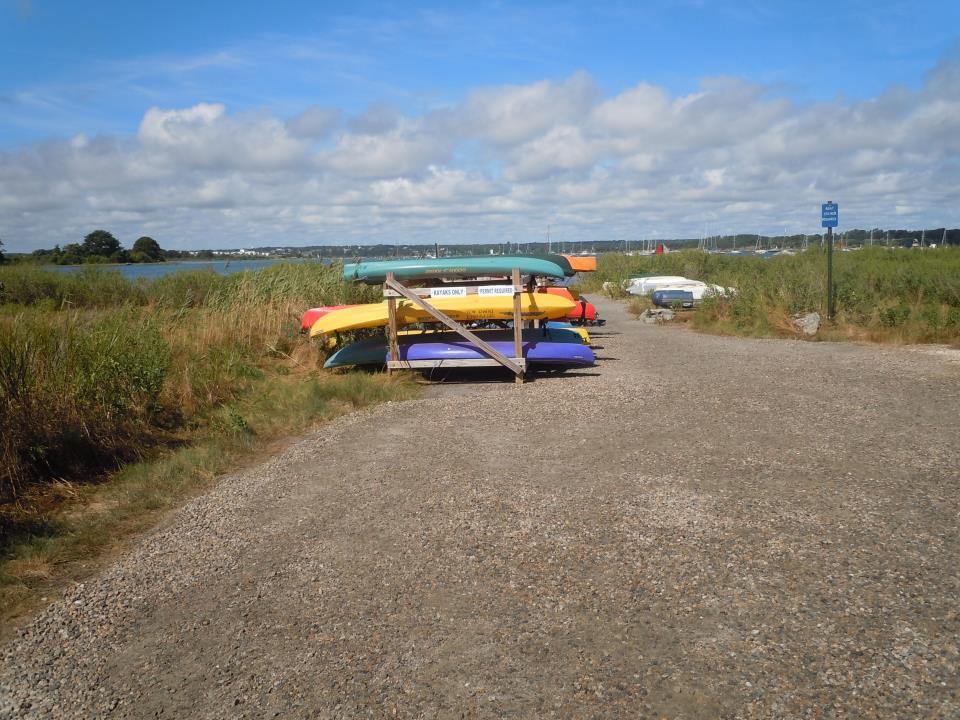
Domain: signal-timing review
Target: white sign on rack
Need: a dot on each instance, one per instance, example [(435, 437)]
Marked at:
[(495, 290), (448, 292)]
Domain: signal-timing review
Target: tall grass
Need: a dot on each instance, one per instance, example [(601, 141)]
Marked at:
[(118, 398), (88, 287), (881, 294), (75, 391), (96, 369)]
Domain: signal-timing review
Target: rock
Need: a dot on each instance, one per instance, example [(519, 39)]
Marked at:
[(807, 323), (654, 316)]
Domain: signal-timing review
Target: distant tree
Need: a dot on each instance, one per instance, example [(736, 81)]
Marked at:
[(148, 248), (102, 243), (3, 258), (72, 255)]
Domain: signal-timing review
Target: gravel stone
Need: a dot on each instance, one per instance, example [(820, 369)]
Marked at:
[(700, 527)]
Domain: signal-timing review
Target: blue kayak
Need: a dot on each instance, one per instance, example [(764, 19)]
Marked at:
[(542, 353), (669, 298), (372, 351)]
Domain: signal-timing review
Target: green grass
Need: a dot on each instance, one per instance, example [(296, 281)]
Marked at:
[(94, 369), (119, 397), (881, 295)]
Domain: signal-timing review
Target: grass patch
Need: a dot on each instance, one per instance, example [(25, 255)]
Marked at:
[(882, 295), (124, 366), (638, 305), (118, 398)]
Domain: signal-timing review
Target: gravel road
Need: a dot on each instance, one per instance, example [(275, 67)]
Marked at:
[(701, 527)]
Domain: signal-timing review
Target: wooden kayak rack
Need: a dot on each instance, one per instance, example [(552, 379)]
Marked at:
[(393, 289)]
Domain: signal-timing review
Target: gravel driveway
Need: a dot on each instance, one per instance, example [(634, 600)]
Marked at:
[(701, 527)]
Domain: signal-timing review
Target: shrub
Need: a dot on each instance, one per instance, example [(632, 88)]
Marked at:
[(95, 368), (75, 392), (908, 295)]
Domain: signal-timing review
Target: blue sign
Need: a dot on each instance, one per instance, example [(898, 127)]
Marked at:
[(829, 215)]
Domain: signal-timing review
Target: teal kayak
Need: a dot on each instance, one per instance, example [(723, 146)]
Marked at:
[(560, 260), (372, 351), (374, 272)]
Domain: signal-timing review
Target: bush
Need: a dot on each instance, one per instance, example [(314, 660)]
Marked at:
[(75, 392), (904, 295), (95, 368)]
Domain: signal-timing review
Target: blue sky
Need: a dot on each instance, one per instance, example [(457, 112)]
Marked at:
[(78, 74)]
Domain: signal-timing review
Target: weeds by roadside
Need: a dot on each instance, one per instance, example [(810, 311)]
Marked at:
[(118, 397), (96, 369), (882, 295)]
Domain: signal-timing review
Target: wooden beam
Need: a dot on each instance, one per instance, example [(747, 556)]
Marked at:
[(392, 330), (453, 325), (517, 320)]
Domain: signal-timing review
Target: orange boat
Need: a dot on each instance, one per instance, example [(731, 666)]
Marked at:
[(582, 263)]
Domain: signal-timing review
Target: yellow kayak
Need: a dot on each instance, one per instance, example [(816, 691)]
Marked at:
[(533, 306)]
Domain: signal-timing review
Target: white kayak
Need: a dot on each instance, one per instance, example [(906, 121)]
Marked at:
[(700, 290), (646, 285)]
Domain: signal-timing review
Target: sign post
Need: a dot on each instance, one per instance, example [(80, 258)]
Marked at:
[(829, 218)]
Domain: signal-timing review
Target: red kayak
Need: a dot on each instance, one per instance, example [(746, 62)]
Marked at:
[(314, 314), (585, 313)]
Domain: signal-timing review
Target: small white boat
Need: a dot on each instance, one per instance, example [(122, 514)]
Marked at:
[(646, 285), (700, 289)]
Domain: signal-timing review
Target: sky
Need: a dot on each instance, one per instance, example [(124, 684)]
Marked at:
[(224, 125)]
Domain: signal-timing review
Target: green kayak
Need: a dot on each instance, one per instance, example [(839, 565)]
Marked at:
[(375, 272), (560, 260)]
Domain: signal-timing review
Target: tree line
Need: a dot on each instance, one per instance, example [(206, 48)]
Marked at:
[(100, 246)]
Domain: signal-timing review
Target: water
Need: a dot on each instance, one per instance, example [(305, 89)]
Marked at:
[(152, 271)]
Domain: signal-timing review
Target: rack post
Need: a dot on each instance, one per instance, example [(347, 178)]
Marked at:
[(392, 332), (515, 365), (517, 321)]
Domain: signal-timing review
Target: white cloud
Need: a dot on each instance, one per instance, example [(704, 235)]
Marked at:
[(513, 114), (314, 122), (500, 164), (559, 149), (204, 136), (404, 150), (378, 119)]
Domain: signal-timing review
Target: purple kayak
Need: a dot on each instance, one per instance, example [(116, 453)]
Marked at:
[(536, 353)]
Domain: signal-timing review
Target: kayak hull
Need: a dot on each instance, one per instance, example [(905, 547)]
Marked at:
[(375, 271), (536, 352), (314, 314), (669, 298), (372, 351), (582, 263), (470, 307), (584, 312)]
